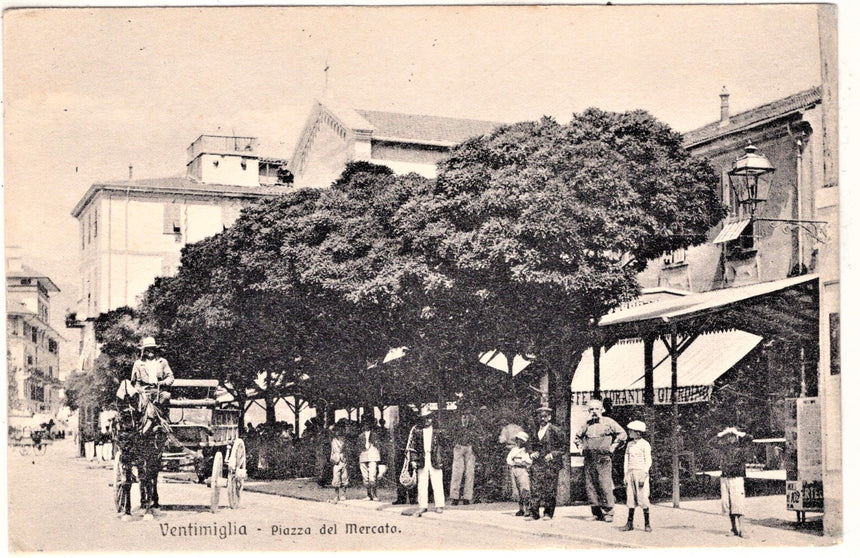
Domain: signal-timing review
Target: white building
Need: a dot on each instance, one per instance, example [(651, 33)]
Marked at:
[(336, 134), (133, 231), (33, 346)]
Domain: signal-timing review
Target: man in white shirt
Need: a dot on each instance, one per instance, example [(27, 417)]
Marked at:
[(426, 457)]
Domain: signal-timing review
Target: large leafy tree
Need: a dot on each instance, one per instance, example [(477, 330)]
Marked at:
[(540, 228)]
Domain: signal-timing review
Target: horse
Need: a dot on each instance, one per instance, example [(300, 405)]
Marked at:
[(140, 434)]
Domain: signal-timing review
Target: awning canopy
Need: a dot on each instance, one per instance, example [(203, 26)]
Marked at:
[(731, 231), (621, 369), (497, 359), (786, 309)]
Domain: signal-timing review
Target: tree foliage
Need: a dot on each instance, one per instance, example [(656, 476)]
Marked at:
[(526, 237)]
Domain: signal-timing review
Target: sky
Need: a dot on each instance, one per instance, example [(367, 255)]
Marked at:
[(89, 91)]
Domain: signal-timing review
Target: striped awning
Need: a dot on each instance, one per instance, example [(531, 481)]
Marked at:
[(731, 231), (622, 368)]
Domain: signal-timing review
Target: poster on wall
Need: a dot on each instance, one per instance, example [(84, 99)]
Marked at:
[(803, 488)]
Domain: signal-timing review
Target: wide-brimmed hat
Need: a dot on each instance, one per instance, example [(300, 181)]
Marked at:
[(426, 412), (543, 408), (636, 425), (522, 436), (149, 343)]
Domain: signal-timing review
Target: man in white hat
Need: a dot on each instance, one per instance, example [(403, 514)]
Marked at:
[(151, 372), (637, 464), (426, 456), (733, 446)]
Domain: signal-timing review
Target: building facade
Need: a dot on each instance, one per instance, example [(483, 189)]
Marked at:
[(336, 134), (768, 275), (133, 231), (33, 346)]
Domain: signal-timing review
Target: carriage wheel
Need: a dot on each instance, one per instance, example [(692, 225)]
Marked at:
[(236, 473), (118, 483), (23, 450), (40, 449), (215, 480)]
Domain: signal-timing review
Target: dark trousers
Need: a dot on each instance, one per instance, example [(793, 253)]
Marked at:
[(544, 484), (599, 486)]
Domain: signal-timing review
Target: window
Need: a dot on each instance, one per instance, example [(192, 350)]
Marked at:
[(37, 392), (172, 222), (95, 223), (675, 257), (29, 360), (744, 245), (34, 335)]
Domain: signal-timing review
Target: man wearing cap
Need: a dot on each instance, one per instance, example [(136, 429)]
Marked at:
[(426, 456), (733, 446), (151, 372), (547, 445), (598, 439), (637, 464)]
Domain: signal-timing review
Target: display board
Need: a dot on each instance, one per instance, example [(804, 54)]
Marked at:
[(803, 487)]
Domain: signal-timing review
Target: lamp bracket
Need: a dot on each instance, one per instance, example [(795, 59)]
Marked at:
[(818, 230)]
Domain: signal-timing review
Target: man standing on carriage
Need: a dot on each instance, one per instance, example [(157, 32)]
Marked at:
[(151, 372)]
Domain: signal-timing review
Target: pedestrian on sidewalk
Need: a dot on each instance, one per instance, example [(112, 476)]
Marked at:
[(426, 457), (508, 437), (340, 473), (370, 456), (637, 465), (519, 461), (733, 448), (598, 439), (547, 447), (463, 464)]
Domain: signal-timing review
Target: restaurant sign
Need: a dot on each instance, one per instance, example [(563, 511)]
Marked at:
[(662, 396)]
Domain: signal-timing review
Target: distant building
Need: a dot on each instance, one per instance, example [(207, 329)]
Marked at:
[(335, 135), (33, 346), (132, 231)]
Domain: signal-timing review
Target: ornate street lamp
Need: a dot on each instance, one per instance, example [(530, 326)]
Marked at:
[(750, 179)]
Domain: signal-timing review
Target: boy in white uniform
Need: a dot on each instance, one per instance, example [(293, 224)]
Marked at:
[(637, 464), (519, 461)]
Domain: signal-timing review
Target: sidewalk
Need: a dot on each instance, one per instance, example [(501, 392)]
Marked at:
[(696, 523)]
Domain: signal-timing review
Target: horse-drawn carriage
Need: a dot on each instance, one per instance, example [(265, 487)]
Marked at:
[(198, 429), (26, 439)]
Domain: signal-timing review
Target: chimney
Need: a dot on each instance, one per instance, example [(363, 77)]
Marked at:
[(130, 171), (724, 107)]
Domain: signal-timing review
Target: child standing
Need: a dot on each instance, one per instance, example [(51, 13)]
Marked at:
[(518, 459), (637, 464), (340, 474), (733, 448)]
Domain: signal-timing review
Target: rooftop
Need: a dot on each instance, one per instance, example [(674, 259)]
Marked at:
[(177, 185), (425, 128), (763, 113)]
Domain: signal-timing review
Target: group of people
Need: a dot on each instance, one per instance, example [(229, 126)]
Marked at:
[(534, 459), (372, 445)]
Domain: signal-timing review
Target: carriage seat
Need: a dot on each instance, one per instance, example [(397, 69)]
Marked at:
[(183, 402)]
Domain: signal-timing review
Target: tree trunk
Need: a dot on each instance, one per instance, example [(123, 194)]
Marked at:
[(561, 403)]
